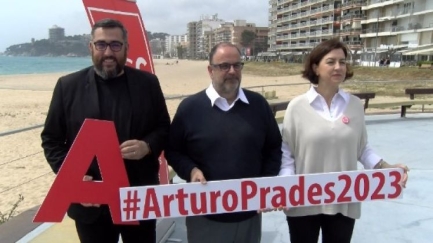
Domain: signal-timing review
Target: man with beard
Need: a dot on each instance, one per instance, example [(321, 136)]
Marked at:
[(133, 100), (222, 133)]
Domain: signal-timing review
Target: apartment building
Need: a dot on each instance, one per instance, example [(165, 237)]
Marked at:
[(297, 26), (376, 28), (397, 27), (196, 34), (192, 37), (273, 24), (157, 48), (232, 32), (172, 42), (56, 33)]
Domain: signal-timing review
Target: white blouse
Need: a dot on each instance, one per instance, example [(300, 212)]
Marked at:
[(339, 103)]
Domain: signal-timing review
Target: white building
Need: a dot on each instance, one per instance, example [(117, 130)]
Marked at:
[(196, 34), (398, 29), (297, 26), (173, 41)]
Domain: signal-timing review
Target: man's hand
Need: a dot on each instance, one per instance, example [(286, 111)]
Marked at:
[(134, 149), (197, 176), (89, 178)]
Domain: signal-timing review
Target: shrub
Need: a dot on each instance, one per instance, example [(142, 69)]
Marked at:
[(424, 62), (12, 212)]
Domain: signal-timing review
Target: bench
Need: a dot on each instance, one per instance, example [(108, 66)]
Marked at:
[(278, 105), (281, 105), (403, 104), (418, 91), (366, 97)]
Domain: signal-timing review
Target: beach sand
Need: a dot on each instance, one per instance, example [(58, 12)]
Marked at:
[(25, 99)]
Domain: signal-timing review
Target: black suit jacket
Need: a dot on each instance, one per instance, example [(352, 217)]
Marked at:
[(75, 98)]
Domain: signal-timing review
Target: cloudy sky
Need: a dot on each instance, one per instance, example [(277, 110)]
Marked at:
[(25, 19)]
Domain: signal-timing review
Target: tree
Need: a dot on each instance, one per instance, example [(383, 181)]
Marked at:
[(248, 39), (261, 46), (181, 51)]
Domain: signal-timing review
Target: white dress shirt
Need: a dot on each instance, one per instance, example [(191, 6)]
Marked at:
[(338, 104), (221, 102)]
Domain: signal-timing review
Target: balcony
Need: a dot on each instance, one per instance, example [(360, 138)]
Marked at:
[(313, 11), (279, 29), (354, 45), (355, 17), (380, 3), (306, 24), (319, 21), (280, 2), (352, 4), (327, 9), (298, 6), (319, 33), (375, 19), (284, 19), (304, 35), (296, 46), (350, 32), (411, 28), (283, 38)]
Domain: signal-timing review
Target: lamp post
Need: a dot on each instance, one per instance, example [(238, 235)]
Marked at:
[(377, 33)]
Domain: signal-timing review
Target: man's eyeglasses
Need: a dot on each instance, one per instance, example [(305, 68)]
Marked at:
[(226, 66), (102, 45)]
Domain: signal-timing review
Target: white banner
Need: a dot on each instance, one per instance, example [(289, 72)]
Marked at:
[(187, 199)]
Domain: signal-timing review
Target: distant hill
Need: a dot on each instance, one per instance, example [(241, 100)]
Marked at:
[(76, 45), (70, 46)]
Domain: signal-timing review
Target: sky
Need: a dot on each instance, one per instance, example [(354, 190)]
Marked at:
[(23, 20)]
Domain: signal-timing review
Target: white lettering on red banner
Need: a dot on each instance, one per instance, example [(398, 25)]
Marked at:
[(140, 203), (127, 12)]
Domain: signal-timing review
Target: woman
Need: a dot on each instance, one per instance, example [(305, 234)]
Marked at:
[(324, 131)]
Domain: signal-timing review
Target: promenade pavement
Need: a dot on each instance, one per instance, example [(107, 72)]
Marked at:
[(407, 220)]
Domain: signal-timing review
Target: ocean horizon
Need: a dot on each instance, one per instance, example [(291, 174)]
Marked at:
[(10, 65)]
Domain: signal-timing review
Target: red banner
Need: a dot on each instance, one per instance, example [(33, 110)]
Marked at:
[(139, 54), (127, 12)]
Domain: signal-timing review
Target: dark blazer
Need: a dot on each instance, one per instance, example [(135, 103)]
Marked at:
[(75, 98)]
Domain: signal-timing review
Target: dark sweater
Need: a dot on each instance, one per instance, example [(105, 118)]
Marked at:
[(115, 103), (243, 142)]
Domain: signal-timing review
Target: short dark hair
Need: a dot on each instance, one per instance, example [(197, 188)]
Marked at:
[(317, 54), (110, 23), (221, 44)]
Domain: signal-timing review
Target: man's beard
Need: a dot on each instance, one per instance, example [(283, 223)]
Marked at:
[(110, 73)]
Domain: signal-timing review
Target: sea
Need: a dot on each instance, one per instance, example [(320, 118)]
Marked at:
[(10, 65)]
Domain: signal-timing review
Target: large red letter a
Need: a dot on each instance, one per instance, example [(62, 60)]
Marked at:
[(96, 138)]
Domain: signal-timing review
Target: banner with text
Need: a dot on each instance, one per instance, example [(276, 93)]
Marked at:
[(140, 203), (127, 12)]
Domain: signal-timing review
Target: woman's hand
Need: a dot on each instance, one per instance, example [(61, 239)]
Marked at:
[(384, 165), (405, 170)]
